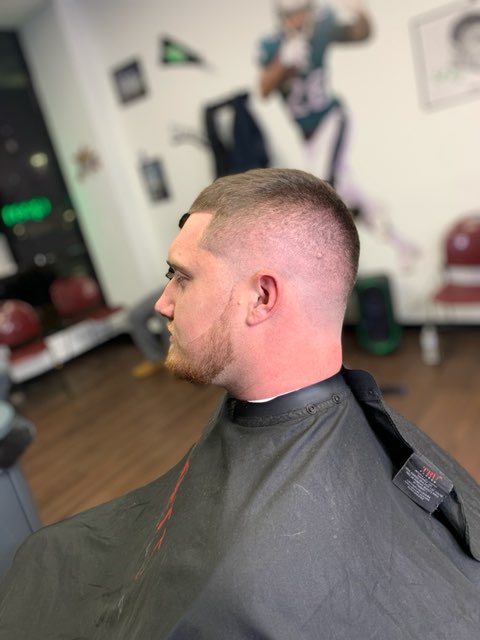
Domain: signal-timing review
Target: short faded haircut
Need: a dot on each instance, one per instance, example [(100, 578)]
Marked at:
[(287, 213)]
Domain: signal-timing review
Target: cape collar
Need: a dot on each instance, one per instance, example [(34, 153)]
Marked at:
[(296, 400)]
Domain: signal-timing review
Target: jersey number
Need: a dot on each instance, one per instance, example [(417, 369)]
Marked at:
[(307, 95)]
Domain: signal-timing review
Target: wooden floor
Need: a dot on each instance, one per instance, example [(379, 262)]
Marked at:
[(101, 433)]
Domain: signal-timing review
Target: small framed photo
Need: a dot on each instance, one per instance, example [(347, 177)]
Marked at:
[(129, 81), (154, 179), (447, 54)]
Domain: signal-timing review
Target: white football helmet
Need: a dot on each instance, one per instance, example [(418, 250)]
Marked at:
[(296, 16), (286, 7)]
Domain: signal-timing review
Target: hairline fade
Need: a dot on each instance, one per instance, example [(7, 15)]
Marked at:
[(268, 205)]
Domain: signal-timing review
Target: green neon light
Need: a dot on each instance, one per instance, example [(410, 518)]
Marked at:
[(35, 209)]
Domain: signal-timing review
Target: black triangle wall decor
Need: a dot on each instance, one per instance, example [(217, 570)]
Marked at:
[(174, 53)]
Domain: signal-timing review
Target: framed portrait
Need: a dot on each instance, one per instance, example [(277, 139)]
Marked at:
[(129, 81), (446, 45), (153, 175)]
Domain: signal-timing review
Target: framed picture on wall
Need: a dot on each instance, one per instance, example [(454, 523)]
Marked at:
[(153, 175), (129, 81), (446, 44)]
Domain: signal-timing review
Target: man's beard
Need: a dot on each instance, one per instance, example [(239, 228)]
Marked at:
[(206, 366)]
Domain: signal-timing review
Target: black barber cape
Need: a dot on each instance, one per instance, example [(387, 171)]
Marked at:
[(283, 522)]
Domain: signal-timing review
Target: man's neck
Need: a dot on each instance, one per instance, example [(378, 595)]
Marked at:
[(274, 383)]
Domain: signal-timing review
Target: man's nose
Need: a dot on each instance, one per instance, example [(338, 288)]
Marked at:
[(164, 305)]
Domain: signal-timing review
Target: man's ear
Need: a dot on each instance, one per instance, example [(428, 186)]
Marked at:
[(264, 300)]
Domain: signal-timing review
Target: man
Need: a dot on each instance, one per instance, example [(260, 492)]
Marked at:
[(293, 63), (307, 509)]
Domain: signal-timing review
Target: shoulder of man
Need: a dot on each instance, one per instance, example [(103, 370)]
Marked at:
[(462, 506), (68, 545), (267, 49), (465, 495)]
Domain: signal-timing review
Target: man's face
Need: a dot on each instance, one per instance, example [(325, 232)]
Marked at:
[(297, 22), (469, 45), (197, 303)]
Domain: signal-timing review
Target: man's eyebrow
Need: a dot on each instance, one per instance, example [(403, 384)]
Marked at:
[(174, 265), (183, 219)]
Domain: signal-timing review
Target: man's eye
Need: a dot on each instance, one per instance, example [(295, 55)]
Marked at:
[(172, 274)]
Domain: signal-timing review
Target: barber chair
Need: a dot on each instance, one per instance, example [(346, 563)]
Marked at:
[(77, 298), (86, 320), (461, 277), (457, 299), (21, 336), (18, 514)]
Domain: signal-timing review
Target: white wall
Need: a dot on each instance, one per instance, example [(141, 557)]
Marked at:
[(419, 165), (117, 226)]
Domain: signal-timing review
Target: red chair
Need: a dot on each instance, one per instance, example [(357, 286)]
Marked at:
[(19, 323), (77, 297), (458, 295), (462, 263), (21, 332), (88, 321)]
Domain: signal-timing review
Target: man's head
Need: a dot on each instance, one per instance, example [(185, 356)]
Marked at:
[(466, 39), (296, 16), (287, 218), (266, 260)]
